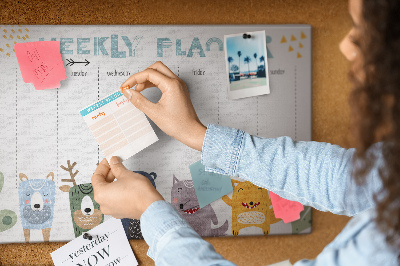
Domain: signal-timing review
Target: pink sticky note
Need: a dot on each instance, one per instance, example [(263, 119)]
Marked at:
[(287, 210), (41, 63)]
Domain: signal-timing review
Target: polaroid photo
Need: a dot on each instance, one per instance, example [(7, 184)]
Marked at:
[(246, 64)]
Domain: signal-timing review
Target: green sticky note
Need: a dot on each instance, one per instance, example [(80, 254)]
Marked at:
[(209, 186)]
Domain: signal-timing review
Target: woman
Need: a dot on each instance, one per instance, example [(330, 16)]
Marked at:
[(360, 182)]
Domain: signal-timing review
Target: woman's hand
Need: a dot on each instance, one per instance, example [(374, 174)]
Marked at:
[(173, 113), (127, 197)]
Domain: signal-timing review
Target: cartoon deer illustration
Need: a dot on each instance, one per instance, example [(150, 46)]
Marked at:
[(36, 204), (85, 211)]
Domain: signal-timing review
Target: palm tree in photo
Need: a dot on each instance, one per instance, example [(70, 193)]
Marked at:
[(230, 60), (239, 54), (262, 60), (255, 57), (247, 60)]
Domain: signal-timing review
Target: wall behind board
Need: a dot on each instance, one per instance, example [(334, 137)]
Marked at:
[(330, 22)]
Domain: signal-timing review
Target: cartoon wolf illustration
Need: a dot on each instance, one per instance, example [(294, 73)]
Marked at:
[(251, 206), (184, 199), (132, 226)]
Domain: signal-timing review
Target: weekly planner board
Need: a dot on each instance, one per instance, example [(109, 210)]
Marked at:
[(48, 153)]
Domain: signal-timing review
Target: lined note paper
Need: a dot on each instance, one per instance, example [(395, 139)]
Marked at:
[(118, 126)]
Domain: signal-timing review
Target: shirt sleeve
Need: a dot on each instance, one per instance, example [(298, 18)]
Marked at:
[(172, 241), (313, 173)]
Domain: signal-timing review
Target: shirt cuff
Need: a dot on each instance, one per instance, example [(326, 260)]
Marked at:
[(222, 148), (158, 219)]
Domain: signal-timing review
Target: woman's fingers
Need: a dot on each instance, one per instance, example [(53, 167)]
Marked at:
[(117, 167), (141, 102), (160, 67), (110, 177), (159, 80), (100, 174), (142, 86)]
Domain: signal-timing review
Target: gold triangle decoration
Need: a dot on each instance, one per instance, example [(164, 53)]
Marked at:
[(290, 48), (293, 38), (300, 45), (299, 55), (283, 39), (303, 36)]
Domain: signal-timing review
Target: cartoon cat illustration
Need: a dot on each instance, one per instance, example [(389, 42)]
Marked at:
[(251, 206), (132, 226), (184, 199)]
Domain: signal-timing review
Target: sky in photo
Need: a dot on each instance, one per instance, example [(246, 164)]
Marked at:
[(248, 47)]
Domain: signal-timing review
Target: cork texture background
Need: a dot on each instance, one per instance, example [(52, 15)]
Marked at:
[(330, 22)]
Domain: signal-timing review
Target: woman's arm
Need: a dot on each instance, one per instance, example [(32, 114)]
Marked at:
[(172, 241), (316, 174), (312, 173), (125, 194)]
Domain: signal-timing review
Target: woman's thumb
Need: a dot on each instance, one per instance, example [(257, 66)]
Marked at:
[(117, 167), (138, 100)]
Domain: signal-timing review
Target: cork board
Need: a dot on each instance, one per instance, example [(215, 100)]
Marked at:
[(330, 92)]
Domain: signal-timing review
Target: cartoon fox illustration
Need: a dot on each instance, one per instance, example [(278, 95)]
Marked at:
[(184, 199), (251, 206)]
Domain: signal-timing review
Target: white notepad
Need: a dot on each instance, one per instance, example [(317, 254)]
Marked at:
[(108, 246), (118, 126)]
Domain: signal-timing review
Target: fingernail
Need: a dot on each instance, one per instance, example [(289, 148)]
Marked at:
[(124, 88), (115, 160), (128, 94)]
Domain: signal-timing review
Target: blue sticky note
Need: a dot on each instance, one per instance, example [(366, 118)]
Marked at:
[(209, 186)]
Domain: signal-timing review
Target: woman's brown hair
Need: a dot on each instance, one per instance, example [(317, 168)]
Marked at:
[(375, 103)]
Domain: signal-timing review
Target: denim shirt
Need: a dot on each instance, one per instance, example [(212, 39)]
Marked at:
[(312, 173)]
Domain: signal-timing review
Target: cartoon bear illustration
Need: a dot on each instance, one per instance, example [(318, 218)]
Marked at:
[(132, 226), (251, 206), (36, 204), (184, 199), (85, 211)]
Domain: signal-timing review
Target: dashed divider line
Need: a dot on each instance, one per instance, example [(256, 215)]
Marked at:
[(57, 132), (257, 114)]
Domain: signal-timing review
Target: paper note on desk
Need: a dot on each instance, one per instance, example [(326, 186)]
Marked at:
[(118, 126), (109, 246), (41, 63), (209, 186), (287, 210)]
